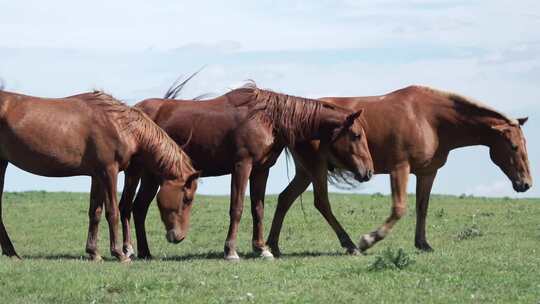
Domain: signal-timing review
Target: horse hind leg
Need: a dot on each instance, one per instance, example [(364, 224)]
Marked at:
[(94, 217), (126, 205), (296, 187), (398, 181), (424, 184), (112, 213), (239, 180), (147, 192), (257, 191), (5, 242)]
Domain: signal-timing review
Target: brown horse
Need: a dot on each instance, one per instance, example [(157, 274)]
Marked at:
[(412, 130), (242, 133), (95, 135)]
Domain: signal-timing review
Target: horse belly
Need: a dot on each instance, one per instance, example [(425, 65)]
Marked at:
[(46, 156)]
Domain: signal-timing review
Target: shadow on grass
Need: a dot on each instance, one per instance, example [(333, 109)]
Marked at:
[(53, 257), (214, 255), (210, 255)]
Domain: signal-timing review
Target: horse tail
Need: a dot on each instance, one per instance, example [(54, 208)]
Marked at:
[(176, 88)]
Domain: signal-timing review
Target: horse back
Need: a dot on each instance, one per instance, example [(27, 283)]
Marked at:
[(56, 137), (401, 127)]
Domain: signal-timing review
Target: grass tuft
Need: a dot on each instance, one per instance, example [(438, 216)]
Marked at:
[(391, 260), (469, 233)]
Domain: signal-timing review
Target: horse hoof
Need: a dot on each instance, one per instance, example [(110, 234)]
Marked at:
[(423, 246), (354, 252), (15, 258), (232, 257), (96, 258), (266, 255), (125, 260), (275, 251), (128, 251), (365, 242), (146, 257)]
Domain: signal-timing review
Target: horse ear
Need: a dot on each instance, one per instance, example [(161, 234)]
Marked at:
[(522, 120), (191, 178), (351, 118)]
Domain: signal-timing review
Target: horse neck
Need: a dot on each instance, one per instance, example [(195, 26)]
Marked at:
[(468, 129)]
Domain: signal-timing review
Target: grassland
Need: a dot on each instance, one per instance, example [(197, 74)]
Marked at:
[(487, 250)]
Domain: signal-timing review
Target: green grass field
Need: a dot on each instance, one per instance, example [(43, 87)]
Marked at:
[(487, 250)]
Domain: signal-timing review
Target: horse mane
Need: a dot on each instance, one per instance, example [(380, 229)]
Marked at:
[(470, 102), (178, 85), (170, 158), (294, 118)]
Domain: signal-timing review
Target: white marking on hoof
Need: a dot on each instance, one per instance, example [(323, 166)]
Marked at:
[(96, 258), (232, 257), (354, 252), (129, 251), (267, 255), (125, 260), (15, 258), (366, 241)]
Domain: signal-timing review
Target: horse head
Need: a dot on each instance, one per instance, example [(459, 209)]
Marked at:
[(174, 199), (508, 151), (349, 148)]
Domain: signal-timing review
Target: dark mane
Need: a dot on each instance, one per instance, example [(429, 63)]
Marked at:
[(176, 88), (293, 118), (470, 104), (169, 157)]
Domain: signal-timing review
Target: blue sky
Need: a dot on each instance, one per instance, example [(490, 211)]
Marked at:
[(489, 50)]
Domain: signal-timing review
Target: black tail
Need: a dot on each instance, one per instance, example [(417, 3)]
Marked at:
[(174, 91)]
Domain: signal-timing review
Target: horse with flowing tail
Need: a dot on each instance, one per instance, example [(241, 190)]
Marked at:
[(412, 131), (242, 133), (95, 135)]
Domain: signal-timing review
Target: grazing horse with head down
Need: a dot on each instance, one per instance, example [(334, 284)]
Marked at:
[(242, 133), (93, 134), (412, 130)]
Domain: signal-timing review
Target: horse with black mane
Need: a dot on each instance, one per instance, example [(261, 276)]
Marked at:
[(242, 133), (96, 135), (411, 130)]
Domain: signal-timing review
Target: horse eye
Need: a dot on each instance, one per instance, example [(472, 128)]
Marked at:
[(514, 147), (356, 136)]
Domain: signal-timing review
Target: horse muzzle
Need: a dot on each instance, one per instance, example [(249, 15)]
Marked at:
[(522, 186), (173, 237), (364, 177)]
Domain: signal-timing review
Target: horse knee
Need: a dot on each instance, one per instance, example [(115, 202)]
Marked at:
[(236, 213), (112, 216), (95, 215), (398, 212)]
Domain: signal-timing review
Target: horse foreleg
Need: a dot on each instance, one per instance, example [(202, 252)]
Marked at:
[(398, 181), (423, 191), (297, 186), (257, 184), (146, 194), (112, 213), (5, 242), (322, 203), (239, 181), (126, 205), (94, 216)]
